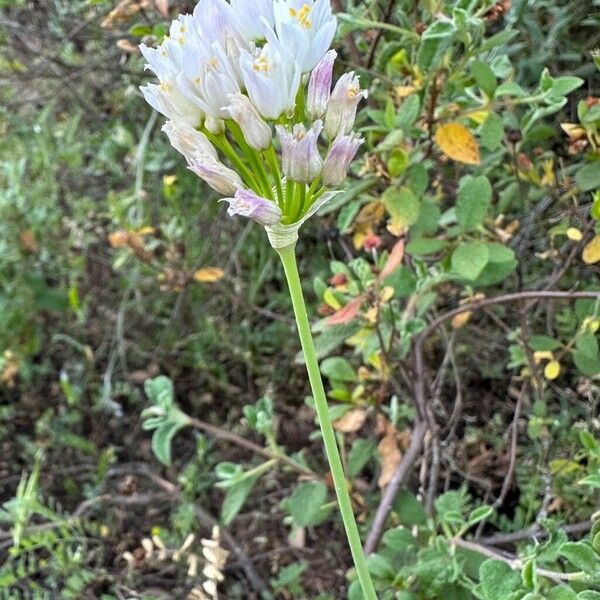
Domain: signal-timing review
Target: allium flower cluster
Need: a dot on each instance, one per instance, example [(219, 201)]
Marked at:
[(249, 83)]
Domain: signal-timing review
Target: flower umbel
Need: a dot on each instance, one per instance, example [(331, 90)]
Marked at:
[(233, 72)]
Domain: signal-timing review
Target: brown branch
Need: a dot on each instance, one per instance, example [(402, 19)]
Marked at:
[(503, 539), (387, 501), (224, 434)]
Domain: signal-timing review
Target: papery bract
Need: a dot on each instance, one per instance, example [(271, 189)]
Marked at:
[(248, 204), (341, 110), (256, 132), (300, 158), (339, 157), (319, 86)]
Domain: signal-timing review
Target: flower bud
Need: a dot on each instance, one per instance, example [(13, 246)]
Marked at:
[(300, 157), (341, 109), (247, 204), (319, 86), (221, 178), (187, 140), (339, 158), (256, 132)]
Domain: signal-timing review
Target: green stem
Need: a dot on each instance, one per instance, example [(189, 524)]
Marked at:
[(288, 259), (221, 142), (274, 166), (253, 157)]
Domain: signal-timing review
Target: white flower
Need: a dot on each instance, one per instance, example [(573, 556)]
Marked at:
[(341, 109), (300, 159), (208, 78), (271, 80), (305, 28), (248, 204), (188, 140), (168, 100), (253, 16), (256, 132), (215, 173)]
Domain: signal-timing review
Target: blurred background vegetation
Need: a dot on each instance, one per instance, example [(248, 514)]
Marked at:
[(118, 266)]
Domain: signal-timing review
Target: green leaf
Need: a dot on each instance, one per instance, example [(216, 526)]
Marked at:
[(397, 162), (498, 580), (399, 539), (501, 263), (409, 510), (360, 454), (593, 481), (424, 246), (561, 86), (588, 595), (474, 197), (479, 514), (408, 112), (543, 343), (402, 205), (562, 593), (331, 338), (484, 77), (435, 40), (510, 88), (236, 497), (159, 390), (469, 259), (380, 567), (492, 132), (581, 555), (306, 501), (338, 369), (588, 177), (529, 575), (162, 438)]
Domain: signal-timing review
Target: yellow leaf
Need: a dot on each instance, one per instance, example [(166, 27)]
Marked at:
[(591, 253), (541, 355), (552, 370), (458, 143), (574, 234), (330, 299), (461, 319), (480, 116), (209, 275)]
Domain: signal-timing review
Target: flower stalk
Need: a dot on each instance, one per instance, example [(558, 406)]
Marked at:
[(290, 267)]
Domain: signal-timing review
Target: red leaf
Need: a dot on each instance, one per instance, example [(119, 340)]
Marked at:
[(346, 314), (393, 261)]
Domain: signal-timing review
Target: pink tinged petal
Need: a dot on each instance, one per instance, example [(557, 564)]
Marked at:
[(341, 110), (319, 86), (338, 159), (247, 204), (188, 140), (221, 178), (300, 158), (256, 132)]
